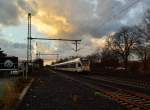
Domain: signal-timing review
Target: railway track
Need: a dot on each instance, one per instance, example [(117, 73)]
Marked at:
[(130, 85), (130, 99), (129, 82)]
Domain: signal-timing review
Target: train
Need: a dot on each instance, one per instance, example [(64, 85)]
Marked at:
[(74, 65)]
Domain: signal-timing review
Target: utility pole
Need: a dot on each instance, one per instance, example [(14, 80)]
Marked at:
[(76, 46), (29, 39), (29, 46), (37, 53), (76, 42)]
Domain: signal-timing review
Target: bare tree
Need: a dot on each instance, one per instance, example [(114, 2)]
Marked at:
[(143, 52), (109, 58), (123, 42), (146, 22), (143, 49), (95, 57)]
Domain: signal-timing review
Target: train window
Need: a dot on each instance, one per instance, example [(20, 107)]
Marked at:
[(72, 65), (85, 61), (65, 66), (79, 65)]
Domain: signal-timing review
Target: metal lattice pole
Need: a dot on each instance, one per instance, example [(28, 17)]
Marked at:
[(29, 46)]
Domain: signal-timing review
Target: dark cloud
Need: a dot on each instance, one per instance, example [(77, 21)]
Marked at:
[(26, 6), (9, 12), (74, 19), (18, 46), (97, 17), (13, 49), (88, 18)]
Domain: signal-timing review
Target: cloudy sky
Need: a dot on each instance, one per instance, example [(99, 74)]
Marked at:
[(88, 20)]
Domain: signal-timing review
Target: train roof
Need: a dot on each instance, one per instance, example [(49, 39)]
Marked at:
[(66, 62)]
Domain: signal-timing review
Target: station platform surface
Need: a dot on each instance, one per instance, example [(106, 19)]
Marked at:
[(49, 91)]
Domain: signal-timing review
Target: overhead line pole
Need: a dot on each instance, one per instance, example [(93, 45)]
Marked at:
[(55, 39), (29, 45), (76, 41), (48, 54), (76, 44)]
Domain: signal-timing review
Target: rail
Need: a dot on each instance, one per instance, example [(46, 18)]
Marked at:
[(130, 99)]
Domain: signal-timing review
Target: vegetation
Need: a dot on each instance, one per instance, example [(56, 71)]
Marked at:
[(120, 46), (125, 43), (12, 92)]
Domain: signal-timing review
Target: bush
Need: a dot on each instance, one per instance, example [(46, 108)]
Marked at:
[(10, 96), (12, 92), (135, 67)]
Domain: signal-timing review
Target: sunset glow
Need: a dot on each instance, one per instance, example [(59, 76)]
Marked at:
[(51, 24)]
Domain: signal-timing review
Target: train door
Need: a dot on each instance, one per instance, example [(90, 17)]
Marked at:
[(79, 67)]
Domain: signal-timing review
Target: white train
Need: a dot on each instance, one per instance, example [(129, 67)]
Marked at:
[(75, 65)]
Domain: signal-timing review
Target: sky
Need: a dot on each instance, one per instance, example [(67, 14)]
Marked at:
[(88, 20)]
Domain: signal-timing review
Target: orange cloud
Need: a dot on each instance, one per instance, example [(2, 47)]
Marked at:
[(100, 43), (51, 24)]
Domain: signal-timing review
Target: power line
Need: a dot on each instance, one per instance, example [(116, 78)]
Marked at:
[(76, 42), (48, 54), (104, 22), (29, 45)]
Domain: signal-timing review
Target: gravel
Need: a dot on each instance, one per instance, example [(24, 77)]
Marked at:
[(52, 92)]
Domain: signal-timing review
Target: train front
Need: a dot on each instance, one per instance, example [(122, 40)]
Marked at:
[(85, 65)]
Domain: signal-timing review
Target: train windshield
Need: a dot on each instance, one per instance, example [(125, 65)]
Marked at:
[(85, 61)]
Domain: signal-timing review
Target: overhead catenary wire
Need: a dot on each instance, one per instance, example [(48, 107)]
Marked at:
[(110, 18)]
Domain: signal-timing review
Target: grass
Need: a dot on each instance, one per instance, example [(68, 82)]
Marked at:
[(2, 91), (12, 92), (10, 96), (98, 94)]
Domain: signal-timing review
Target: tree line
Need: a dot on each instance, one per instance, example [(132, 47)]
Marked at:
[(128, 41)]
